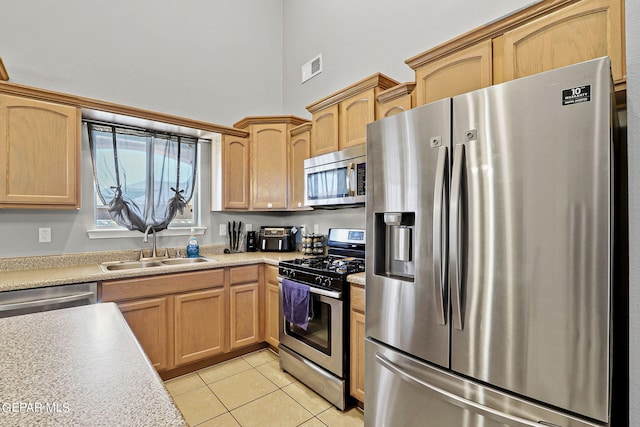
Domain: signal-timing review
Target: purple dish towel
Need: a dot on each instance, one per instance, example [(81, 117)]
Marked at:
[(295, 303)]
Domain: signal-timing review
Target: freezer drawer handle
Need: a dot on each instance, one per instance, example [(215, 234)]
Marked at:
[(439, 234), (36, 303), (454, 231), (453, 398)]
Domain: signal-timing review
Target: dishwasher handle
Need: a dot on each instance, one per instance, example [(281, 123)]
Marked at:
[(46, 301)]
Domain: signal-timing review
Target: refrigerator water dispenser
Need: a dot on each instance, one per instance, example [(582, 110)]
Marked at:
[(394, 253)]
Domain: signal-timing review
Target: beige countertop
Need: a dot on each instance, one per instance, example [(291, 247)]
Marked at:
[(79, 366), (39, 272), (358, 278)]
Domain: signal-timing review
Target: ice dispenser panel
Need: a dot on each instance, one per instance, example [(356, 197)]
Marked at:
[(395, 245)]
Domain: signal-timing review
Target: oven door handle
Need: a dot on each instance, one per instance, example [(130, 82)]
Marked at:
[(319, 291)]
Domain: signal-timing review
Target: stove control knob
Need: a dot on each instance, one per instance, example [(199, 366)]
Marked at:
[(318, 280), (292, 273), (286, 272), (327, 282)]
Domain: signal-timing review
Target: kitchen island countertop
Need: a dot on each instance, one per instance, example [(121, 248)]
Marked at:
[(79, 366)]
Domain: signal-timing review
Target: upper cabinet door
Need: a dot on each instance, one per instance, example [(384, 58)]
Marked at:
[(355, 113), (460, 72), (325, 131), (395, 100), (582, 31), (39, 154), (235, 166), (269, 166), (299, 150)]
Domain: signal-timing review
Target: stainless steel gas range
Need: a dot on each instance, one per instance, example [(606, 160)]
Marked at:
[(319, 355)]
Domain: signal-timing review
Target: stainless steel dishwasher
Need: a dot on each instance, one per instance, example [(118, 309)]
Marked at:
[(25, 301)]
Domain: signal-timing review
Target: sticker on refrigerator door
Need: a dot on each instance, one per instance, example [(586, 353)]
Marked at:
[(576, 95)]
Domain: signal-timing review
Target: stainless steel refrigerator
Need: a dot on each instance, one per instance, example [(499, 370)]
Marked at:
[(489, 280)]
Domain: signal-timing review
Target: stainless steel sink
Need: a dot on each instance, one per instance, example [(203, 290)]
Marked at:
[(179, 261), (131, 265)]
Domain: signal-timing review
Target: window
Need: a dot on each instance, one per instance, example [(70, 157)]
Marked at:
[(143, 178)]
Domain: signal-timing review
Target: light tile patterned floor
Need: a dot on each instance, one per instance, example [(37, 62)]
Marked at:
[(250, 391)]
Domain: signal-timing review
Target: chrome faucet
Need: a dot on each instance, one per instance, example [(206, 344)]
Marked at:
[(145, 239)]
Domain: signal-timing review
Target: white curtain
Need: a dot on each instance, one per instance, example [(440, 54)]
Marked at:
[(144, 177)]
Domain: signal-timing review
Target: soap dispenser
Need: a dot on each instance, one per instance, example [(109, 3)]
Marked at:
[(193, 249)]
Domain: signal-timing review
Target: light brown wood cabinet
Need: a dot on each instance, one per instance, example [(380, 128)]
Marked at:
[(396, 100), (39, 154), (578, 32), (340, 119), (299, 150), (148, 319), (235, 180), (272, 306), (325, 131), (269, 163), (354, 114), (463, 71), (199, 324), (547, 35), (177, 318), (357, 342), (244, 300)]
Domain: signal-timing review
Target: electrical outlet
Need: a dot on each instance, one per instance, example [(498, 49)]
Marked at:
[(316, 229), (248, 227), (223, 229), (44, 234)]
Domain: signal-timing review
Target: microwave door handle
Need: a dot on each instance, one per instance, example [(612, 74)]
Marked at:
[(350, 190)]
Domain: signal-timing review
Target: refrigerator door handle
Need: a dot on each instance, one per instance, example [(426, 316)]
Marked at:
[(453, 398), (439, 234), (454, 233)]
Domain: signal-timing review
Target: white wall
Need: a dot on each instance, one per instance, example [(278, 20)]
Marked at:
[(213, 60), (358, 38)]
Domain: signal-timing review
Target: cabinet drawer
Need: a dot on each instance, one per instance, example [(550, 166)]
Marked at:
[(243, 274), (357, 298), (119, 290)]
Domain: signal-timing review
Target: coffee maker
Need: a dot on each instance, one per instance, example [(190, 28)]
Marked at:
[(252, 244)]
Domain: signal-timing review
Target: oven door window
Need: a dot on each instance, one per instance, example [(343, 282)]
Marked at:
[(318, 333), (328, 184)]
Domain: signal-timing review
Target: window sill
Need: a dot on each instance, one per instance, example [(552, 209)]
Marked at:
[(122, 234)]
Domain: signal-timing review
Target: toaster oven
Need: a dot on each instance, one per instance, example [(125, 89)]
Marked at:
[(277, 239)]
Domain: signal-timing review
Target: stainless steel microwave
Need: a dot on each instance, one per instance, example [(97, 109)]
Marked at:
[(337, 178)]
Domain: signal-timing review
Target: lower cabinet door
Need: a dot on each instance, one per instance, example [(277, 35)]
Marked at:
[(199, 325), (245, 327), (148, 320), (357, 355), (272, 320)]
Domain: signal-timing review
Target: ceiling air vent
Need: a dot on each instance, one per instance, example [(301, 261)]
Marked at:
[(312, 68)]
